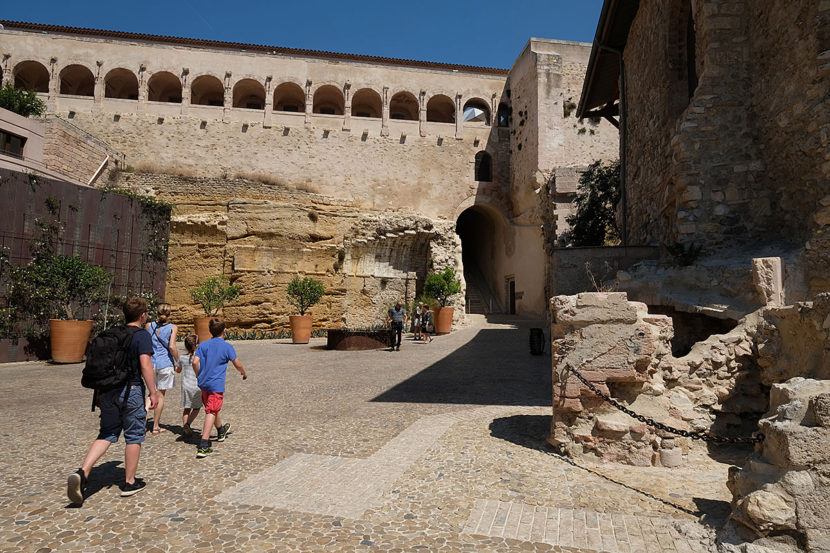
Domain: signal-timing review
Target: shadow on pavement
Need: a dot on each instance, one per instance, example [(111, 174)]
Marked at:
[(531, 431), (494, 368)]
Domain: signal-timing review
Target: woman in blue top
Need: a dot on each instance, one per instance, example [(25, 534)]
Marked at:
[(165, 357)]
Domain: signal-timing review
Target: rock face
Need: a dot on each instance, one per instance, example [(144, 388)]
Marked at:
[(782, 494), (262, 235)]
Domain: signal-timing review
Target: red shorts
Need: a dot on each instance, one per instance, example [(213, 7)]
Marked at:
[(212, 401)]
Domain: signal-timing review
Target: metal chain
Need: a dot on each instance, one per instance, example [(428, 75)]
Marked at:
[(756, 437)]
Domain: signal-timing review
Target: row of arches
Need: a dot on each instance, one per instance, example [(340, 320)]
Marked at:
[(208, 90)]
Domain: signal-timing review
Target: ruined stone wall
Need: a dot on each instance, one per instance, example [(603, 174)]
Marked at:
[(70, 151), (781, 496), (262, 235)]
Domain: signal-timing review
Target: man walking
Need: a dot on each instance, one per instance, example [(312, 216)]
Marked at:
[(398, 317), (122, 409)]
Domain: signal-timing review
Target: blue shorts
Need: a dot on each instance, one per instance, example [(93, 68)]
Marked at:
[(117, 415)]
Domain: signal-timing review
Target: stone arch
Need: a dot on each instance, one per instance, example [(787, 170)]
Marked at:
[(503, 115), (31, 75), (441, 109), (329, 99), (403, 105), (484, 167), (164, 86), (77, 80), (249, 94), (476, 110), (289, 96), (367, 103), (481, 226), (207, 90), (121, 83)]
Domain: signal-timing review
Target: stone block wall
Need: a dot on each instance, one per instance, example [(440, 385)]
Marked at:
[(743, 158), (781, 496), (72, 152)]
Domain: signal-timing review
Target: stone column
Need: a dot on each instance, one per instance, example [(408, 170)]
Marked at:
[(422, 113), (228, 102), (100, 87), (494, 116), (142, 89), (7, 76), (384, 121), (266, 117), (459, 114), (54, 86), (347, 106), (185, 90), (309, 102)]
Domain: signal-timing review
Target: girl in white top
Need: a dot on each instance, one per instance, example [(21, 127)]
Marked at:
[(165, 356), (191, 394)]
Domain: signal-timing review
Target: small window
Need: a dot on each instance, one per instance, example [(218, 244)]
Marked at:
[(11, 144), (484, 167)]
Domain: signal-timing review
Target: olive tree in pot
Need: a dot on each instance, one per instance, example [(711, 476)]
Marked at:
[(302, 294), (54, 290), (442, 286), (212, 294)]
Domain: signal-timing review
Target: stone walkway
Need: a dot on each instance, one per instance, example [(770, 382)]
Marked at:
[(346, 451)]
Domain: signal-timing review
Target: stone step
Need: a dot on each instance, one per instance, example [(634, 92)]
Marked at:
[(565, 527)]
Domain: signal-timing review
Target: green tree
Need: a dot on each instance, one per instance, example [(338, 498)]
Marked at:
[(442, 286), (594, 222), (304, 292), (22, 102), (213, 293)]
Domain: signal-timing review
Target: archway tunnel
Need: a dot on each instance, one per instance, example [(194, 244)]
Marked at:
[(479, 230)]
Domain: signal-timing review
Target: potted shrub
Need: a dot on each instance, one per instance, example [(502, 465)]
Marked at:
[(212, 294), (442, 286), (302, 294), (56, 289)]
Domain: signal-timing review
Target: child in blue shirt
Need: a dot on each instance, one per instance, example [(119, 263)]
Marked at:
[(210, 363)]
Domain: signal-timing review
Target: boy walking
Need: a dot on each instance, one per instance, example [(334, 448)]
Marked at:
[(210, 363), (122, 409)]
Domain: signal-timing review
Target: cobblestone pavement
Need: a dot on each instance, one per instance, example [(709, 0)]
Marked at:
[(439, 447)]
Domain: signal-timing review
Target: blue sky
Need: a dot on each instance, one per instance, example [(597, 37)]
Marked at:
[(485, 33)]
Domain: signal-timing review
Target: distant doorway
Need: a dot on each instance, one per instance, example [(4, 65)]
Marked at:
[(510, 294), (477, 227)]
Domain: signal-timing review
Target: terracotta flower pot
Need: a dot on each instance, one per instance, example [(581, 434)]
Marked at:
[(69, 340), (443, 319), (202, 328), (300, 328)]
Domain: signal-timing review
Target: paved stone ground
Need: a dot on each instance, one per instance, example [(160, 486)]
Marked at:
[(438, 447)]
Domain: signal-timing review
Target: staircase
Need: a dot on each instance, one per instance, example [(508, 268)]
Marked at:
[(479, 298)]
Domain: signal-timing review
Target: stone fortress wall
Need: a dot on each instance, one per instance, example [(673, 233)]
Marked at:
[(742, 113), (383, 139)]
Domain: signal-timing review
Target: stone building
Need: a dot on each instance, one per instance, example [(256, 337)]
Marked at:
[(356, 169), (725, 130)]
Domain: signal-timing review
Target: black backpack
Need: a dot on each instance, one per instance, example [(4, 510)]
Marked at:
[(108, 363)]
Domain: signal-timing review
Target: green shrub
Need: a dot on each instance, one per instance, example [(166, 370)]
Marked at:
[(304, 292), (213, 293), (22, 102), (594, 221), (442, 286)]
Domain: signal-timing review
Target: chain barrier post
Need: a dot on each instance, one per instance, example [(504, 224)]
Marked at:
[(756, 437)]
